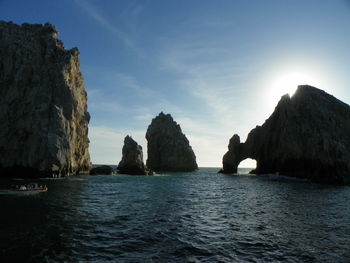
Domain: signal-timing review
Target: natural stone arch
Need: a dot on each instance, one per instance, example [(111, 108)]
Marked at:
[(237, 152), (249, 163), (307, 136)]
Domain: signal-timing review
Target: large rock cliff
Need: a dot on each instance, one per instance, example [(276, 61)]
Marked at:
[(307, 136), (132, 159), (43, 111), (167, 147)]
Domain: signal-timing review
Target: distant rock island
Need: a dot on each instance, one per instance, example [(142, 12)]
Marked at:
[(168, 148), (102, 170), (307, 136), (132, 159), (43, 111)]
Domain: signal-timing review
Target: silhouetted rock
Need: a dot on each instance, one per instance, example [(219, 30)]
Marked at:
[(307, 136), (43, 111), (168, 148), (102, 170), (132, 160), (231, 159)]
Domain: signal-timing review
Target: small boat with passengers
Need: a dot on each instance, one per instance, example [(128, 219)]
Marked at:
[(30, 188), (24, 189)]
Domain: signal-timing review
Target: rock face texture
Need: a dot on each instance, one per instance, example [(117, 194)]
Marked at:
[(168, 148), (132, 159), (102, 170), (307, 136), (43, 111)]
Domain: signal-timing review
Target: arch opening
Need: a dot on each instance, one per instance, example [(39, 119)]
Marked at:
[(246, 166)]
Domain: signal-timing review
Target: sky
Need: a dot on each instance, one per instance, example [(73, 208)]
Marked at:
[(218, 67)]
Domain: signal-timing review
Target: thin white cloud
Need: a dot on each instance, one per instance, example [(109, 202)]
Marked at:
[(146, 112), (213, 76), (111, 107), (130, 101), (97, 15), (208, 141), (130, 82), (216, 80), (143, 114)]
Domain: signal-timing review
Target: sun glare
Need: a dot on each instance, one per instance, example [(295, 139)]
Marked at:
[(287, 83)]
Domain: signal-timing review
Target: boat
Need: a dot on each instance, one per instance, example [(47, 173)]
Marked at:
[(24, 190), (38, 189), (31, 190)]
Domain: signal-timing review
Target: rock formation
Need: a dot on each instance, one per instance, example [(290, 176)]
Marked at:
[(168, 148), (307, 136), (132, 159), (102, 170), (43, 111), (232, 158)]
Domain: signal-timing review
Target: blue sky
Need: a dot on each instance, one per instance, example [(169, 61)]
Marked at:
[(219, 67)]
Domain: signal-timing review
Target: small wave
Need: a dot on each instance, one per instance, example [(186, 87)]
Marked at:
[(187, 248), (161, 174), (17, 193), (178, 218), (52, 178), (77, 179), (282, 177)]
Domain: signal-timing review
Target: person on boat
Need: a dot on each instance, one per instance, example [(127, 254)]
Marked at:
[(43, 187)]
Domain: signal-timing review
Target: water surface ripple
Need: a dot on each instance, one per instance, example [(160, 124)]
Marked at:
[(193, 217)]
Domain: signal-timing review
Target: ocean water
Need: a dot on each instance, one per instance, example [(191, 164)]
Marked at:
[(179, 217)]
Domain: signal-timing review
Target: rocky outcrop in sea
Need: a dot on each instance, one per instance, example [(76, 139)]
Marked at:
[(43, 110), (132, 159), (307, 136), (168, 148), (102, 170)]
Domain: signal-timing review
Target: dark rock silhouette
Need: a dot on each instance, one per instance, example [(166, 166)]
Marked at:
[(102, 170), (307, 136), (43, 111), (232, 158), (132, 159), (167, 147)]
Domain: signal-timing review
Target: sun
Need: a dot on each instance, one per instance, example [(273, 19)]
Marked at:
[(287, 83)]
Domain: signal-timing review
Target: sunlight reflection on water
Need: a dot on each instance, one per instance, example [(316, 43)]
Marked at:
[(196, 217)]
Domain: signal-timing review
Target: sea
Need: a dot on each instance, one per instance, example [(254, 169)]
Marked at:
[(176, 217)]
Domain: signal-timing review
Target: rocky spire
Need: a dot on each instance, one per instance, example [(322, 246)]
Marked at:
[(132, 160), (168, 148), (231, 159)]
